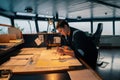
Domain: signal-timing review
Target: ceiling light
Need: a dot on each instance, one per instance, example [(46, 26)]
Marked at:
[(29, 9), (79, 17)]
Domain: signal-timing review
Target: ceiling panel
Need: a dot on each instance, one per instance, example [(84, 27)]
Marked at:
[(101, 11), (117, 12), (83, 14)]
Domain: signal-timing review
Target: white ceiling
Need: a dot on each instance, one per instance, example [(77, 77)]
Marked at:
[(64, 8)]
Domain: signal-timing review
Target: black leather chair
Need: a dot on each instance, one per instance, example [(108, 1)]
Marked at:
[(96, 40), (97, 35)]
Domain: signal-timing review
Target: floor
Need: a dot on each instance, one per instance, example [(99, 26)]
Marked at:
[(110, 69)]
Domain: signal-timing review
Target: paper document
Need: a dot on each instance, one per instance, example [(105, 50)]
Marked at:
[(41, 38), (37, 41), (49, 58), (57, 40), (85, 74), (16, 62), (24, 57)]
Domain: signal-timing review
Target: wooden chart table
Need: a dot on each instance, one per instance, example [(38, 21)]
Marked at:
[(41, 60)]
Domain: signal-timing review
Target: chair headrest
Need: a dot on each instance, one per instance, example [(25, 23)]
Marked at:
[(99, 29)]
